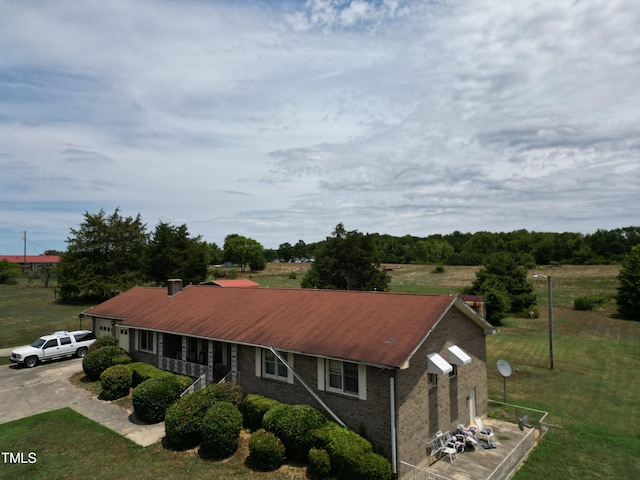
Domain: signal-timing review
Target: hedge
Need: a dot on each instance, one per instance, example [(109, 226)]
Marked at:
[(183, 419), (294, 425), (115, 382), (352, 456), (220, 431), (144, 371), (254, 407), (99, 360), (266, 451), (152, 397)]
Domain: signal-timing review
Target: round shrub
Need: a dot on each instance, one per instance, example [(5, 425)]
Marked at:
[(223, 392), (116, 382), (266, 451), (183, 419), (351, 455), (123, 360), (103, 342), (220, 431), (99, 360), (254, 407), (294, 425), (319, 466), (152, 397)]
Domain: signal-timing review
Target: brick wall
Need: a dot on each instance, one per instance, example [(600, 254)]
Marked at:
[(422, 411), (370, 418)]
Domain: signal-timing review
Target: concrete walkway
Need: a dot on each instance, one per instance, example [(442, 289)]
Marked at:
[(28, 391)]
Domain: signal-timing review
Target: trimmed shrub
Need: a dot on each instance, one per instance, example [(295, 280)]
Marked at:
[(266, 451), (152, 397), (124, 360), (145, 371), (294, 425), (103, 342), (224, 392), (319, 466), (220, 431), (183, 419), (99, 360), (254, 407), (352, 456), (116, 382)]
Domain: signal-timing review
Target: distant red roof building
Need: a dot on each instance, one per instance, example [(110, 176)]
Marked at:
[(240, 283), (32, 262)]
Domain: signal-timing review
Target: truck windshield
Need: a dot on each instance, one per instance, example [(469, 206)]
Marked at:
[(38, 343)]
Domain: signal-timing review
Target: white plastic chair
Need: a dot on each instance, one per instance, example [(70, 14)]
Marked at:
[(485, 433)]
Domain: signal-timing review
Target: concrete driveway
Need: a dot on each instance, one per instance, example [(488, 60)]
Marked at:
[(28, 391)]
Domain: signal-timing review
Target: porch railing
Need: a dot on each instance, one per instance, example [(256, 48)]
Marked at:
[(199, 384)]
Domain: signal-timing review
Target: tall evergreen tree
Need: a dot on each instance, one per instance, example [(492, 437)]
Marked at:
[(105, 256), (629, 290), (172, 253), (347, 261), (505, 287)]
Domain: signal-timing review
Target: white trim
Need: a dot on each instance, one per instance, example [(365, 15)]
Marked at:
[(258, 366), (362, 382), (320, 362), (457, 356), (437, 364)]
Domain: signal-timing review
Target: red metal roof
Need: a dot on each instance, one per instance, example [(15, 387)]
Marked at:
[(235, 283), (368, 327), (31, 258)]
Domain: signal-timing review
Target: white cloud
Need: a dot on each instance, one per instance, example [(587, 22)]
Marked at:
[(280, 120)]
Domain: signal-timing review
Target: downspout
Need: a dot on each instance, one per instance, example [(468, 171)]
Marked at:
[(392, 401), (304, 384)]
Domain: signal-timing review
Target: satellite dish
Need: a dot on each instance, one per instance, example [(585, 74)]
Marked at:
[(504, 368)]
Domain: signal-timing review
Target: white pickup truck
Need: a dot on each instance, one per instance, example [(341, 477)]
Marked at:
[(50, 347)]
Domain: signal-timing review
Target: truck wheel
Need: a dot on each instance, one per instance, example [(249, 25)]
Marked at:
[(31, 362), (82, 352)]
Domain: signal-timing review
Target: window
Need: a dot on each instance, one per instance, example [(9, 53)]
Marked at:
[(432, 380), (344, 377), (198, 350), (146, 343), (65, 341), (50, 344), (270, 366), (273, 367), (454, 371)]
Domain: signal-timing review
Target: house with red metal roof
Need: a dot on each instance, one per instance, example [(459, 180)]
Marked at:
[(32, 262), (394, 367)]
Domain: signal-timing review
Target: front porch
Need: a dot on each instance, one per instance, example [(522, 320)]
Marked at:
[(195, 357)]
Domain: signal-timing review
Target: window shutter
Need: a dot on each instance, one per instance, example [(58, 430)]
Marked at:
[(321, 374), (290, 376), (362, 382), (258, 362)]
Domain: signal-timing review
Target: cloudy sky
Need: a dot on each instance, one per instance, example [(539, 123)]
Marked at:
[(277, 120)]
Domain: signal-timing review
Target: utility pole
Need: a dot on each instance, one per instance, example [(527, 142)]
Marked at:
[(24, 255)]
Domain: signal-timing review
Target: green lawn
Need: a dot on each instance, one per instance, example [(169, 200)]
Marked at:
[(592, 392), (29, 312)]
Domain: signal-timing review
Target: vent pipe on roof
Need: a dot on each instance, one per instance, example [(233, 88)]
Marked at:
[(174, 285)]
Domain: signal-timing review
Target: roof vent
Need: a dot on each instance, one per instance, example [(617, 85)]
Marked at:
[(174, 285)]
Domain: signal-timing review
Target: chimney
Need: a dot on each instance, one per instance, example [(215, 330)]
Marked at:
[(174, 285)]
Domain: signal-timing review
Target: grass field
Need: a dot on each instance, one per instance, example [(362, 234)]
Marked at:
[(591, 393)]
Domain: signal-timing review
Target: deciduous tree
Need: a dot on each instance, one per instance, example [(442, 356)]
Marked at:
[(244, 251)]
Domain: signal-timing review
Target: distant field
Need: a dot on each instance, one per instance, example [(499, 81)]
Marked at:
[(592, 393)]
